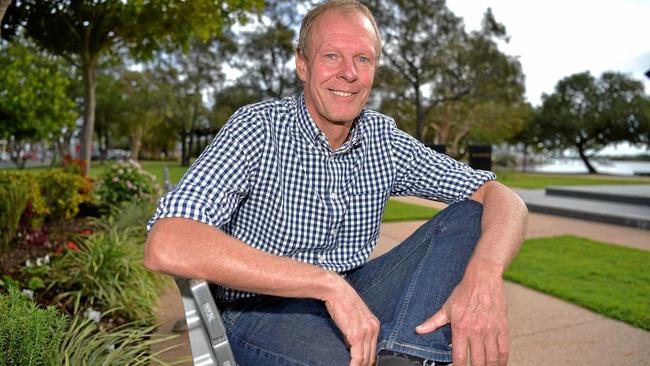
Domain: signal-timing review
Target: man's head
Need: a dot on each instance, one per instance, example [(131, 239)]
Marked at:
[(338, 51), (345, 6)]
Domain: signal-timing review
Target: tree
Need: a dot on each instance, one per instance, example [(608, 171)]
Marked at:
[(185, 79), (4, 4), (33, 100), (587, 114), (82, 30), (436, 74), (266, 54)]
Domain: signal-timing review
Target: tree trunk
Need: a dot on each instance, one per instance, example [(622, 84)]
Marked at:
[(419, 116), (90, 84), (4, 4), (585, 159), (185, 159), (136, 142), (525, 161)]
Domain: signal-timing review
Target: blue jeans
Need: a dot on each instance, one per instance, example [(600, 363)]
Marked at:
[(402, 288)]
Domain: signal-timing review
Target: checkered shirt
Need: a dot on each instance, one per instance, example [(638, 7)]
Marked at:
[(270, 179)]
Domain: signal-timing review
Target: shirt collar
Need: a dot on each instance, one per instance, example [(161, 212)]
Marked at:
[(310, 130)]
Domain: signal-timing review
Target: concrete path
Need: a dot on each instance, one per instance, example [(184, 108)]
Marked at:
[(544, 330)]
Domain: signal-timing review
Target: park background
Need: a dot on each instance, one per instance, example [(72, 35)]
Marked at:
[(89, 88)]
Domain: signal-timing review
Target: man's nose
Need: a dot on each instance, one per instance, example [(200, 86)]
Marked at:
[(348, 71)]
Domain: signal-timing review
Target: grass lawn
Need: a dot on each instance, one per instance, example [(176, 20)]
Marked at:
[(606, 278), (541, 181), (400, 211)]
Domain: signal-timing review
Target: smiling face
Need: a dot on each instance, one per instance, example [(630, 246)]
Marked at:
[(339, 68)]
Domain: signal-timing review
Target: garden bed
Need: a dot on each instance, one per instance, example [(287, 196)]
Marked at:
[(72, 268)]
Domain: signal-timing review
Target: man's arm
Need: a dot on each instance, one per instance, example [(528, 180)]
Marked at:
[(476, 308), (187, 248)]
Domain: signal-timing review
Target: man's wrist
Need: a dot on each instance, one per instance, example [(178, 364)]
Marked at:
[(485, 267), (329, 285)]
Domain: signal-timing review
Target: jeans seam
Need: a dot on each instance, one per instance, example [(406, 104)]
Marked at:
[(420, 348), (407, 300), (416, 247)]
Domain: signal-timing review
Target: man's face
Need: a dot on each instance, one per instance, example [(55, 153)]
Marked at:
[(340, 67)]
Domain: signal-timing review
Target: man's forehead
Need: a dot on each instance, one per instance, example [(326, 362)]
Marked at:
[(349, 23)]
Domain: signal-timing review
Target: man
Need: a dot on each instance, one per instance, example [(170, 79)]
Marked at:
[(283, 209)]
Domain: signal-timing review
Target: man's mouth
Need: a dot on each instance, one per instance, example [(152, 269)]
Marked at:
[(342, 93)]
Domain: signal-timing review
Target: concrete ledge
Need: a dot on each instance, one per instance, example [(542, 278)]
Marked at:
[(633, 194), (636, 222), (637, 216)]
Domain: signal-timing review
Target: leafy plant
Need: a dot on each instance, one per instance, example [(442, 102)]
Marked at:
[(129, 217), (127, 181), (21, 203), (85, 344), (29, 335), (13, 199), (63, 193), (108, 271)]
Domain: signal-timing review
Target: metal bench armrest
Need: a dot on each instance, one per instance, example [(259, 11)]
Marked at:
[(206, 331)]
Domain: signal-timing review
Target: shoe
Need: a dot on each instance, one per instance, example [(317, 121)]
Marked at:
[(392, 358)]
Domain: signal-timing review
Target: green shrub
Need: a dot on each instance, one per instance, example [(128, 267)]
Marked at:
[(19, 191), (107, 271), (85, 344), (126, 182), (129, 216), (13, 200), (63, 193), (29, 335)]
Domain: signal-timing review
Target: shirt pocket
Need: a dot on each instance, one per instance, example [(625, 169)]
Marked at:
[(365, 211)]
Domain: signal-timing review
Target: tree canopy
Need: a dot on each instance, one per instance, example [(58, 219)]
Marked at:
[(587, 114), (83, 30), (34, 104), (442, 83)]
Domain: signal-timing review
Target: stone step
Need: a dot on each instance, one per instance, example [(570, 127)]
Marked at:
[(625, 214), (628, 194)]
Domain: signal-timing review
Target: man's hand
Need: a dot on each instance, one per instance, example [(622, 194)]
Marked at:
[(358, 324), (476, 310)]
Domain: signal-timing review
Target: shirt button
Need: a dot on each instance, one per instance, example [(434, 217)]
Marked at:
[(335, 195), (321, 258), (333, 232)]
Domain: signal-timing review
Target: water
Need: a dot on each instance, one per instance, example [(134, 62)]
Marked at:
[(616, 167)]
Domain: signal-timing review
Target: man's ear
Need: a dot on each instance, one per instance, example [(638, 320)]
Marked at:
[(301, 66)]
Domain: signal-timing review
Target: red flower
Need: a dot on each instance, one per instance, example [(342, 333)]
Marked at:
[(85, 232), (72, 246), (58, 249)]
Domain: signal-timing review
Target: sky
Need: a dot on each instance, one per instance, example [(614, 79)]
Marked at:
[(557, 38)]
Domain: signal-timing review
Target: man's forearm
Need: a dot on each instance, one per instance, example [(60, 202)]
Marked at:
[(186, 248), (503, 227)]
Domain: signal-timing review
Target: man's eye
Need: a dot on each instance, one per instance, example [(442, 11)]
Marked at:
[(330, 56), (364, 59)]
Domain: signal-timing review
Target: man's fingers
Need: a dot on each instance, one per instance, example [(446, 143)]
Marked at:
[(436, 321), (458, 349), (504, 347), (373, 341), (491, 350), (356, 355), (477, 351)]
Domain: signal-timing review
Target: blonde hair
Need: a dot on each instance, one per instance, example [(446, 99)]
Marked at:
[(344, 5)]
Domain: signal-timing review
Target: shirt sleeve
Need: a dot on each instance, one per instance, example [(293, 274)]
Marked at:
[(428, 174), (212, 188)]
